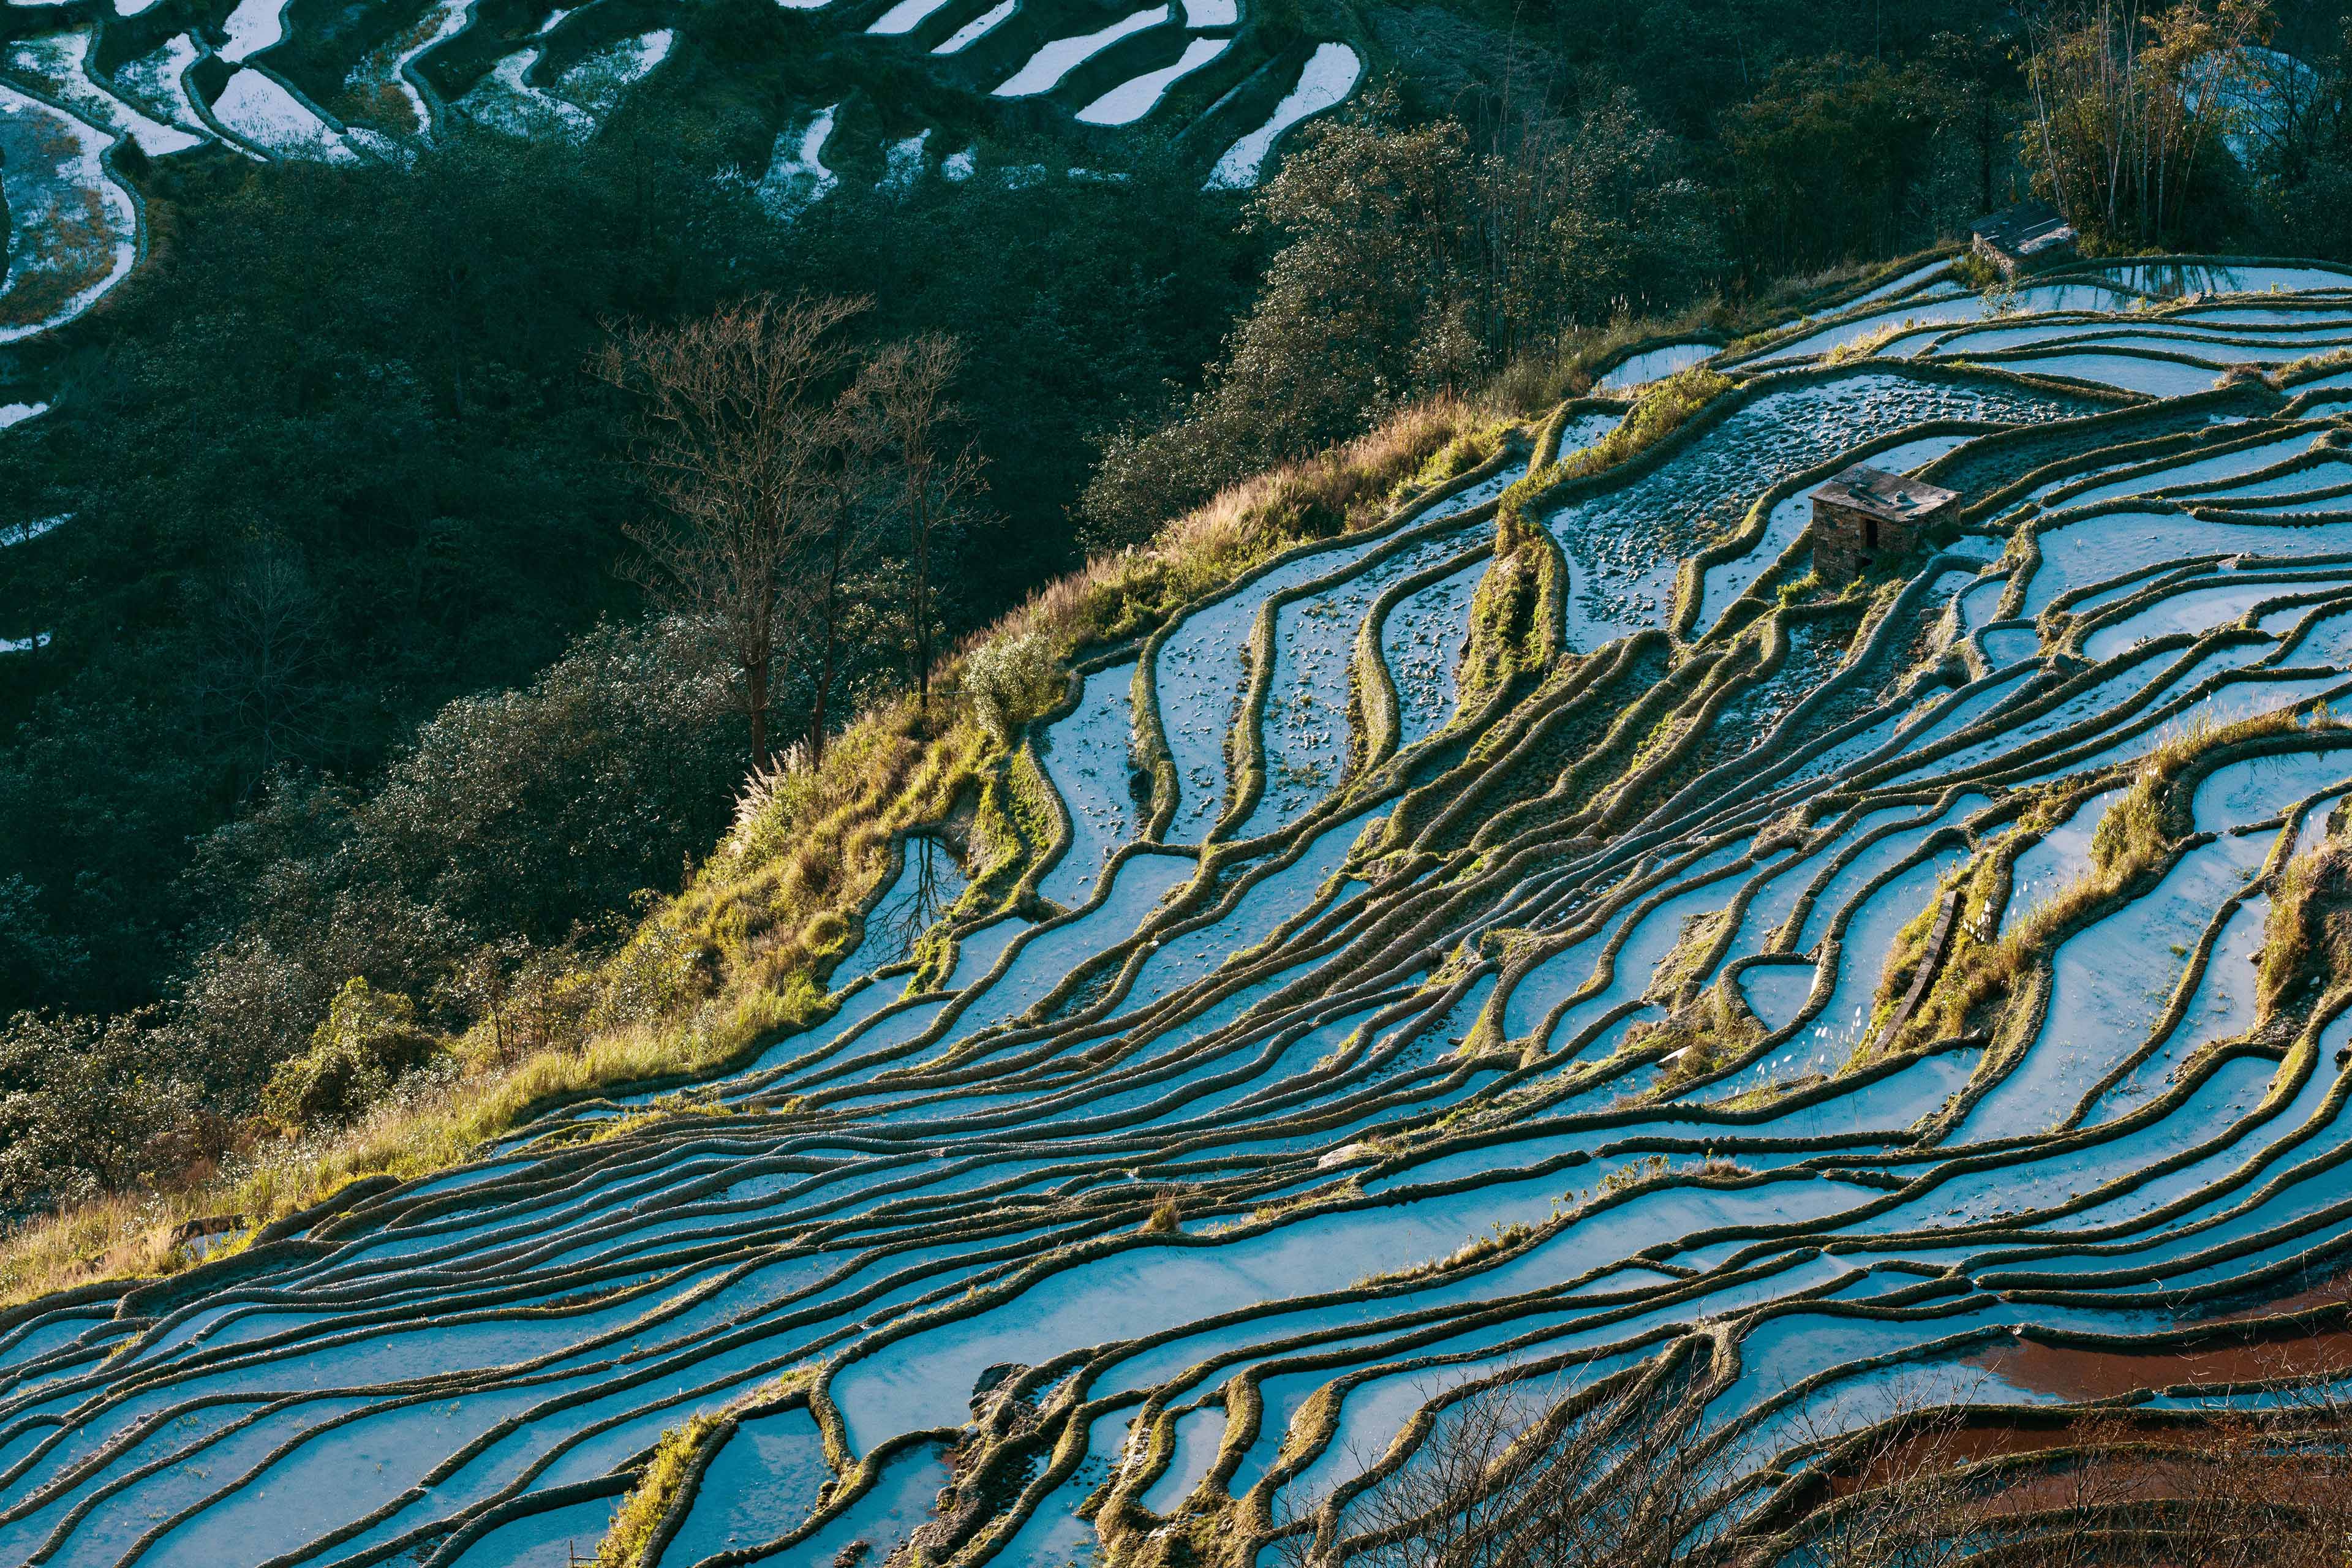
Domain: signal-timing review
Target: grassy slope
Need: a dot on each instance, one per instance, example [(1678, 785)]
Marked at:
[(736, 959)]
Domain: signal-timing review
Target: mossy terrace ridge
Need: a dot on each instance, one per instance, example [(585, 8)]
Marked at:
[(1546, 930)]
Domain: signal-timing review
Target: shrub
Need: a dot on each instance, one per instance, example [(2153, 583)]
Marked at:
[(1797, 590), (1663, 408), (1011, 681), (641, 1512), (508, 842), (2308, 940), (653, 972), (85, 1105), (369, 1042), (252, 1001), (525, 811), (1975, 272), (523, 998)]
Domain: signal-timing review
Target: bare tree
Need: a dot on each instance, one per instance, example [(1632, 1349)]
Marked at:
[(1513, 1475), (1902, 1503), (746, 444), (259, 677), (2128, 99), (930, 487), (844, 527), (2268, 1486), (2236, 1485)]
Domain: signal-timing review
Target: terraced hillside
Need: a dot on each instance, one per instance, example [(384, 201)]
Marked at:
[(93, 94), (1550, 939)]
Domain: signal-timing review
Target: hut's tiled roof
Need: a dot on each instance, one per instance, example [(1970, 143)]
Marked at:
[(2023, 230), (1897, 497)]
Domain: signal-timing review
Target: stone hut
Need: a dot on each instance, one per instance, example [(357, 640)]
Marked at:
[(1867, 514), (2022, 237)]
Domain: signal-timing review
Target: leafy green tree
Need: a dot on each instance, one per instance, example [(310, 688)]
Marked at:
[(1412, 264), (1827, 158), (2132, 105), (1614, 225), (1976, 95), (1377, 221), (2301, 150), (85, 1107), (368, 1042), (298, 528)]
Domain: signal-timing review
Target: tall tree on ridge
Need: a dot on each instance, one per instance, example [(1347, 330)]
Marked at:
[(2130, 108), (932, 488), (742, 440), (843, 530)]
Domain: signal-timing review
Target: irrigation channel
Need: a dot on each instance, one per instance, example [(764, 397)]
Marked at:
[(1470, 955)]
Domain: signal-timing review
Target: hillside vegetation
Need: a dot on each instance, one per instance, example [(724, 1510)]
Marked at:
[(1105, 1035), (1246, 884)]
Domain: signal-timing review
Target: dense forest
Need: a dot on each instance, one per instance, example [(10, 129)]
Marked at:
[(352, 669)]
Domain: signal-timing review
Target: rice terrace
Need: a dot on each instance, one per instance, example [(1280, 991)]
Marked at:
[(279, 79), (1713, 931)]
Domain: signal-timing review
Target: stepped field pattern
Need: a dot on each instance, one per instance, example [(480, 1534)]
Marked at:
[(282, 79), (1474, 953)]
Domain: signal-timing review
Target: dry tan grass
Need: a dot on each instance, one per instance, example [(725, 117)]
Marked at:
[(118, 1235), (1865, 345), (775, 895), (128, 1235), (1350, 486), (2311, 365), (641, 1511), (2307, 939), (2131, 836), (734, 954)]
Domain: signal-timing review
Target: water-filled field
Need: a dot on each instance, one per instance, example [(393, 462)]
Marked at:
[(1867, 993), (273, 80)]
